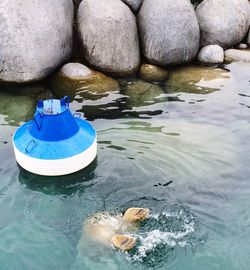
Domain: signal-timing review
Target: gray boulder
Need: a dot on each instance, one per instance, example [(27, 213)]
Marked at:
[(224, 23), (234, 55), (133, 4), (77, 80), (36, 38), (108, 33), (241, 46), (152, 73), (211, 54), (169, 31), (248, 38)]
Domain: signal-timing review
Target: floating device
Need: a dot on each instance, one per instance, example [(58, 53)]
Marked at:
[(55, 142)]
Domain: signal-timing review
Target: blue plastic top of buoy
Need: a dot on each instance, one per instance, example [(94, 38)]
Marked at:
[(53, 120), (54, 133)]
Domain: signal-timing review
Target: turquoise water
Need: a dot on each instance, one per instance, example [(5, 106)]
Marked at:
[(184, 155)]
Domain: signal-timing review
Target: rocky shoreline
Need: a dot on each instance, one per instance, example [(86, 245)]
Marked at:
[(118, 38)]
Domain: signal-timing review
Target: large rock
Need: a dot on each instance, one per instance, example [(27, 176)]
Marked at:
[(77, 80), (36, 38), (248, 38), (133, 4), (152, 73), (108, 33), (211, 54), (234, 55), (224, 23), (169, 31)]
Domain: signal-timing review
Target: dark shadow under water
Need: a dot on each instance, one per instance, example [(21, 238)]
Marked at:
[(67, 184)]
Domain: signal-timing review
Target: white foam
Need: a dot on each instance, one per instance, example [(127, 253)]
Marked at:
[(152, 239), (178, 214)]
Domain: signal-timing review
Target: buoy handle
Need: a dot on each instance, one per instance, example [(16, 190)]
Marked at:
[(67, 100), (29, 144), (36, 120), (40, 104), (77, 114)]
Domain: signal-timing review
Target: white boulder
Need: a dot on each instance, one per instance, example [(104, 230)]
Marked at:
[(224, 23), (211, 54)]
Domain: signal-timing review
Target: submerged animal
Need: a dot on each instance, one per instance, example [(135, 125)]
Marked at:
[(115, 229)]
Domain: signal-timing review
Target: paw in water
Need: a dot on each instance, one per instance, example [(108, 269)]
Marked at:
[(123, 242), (136, 214), (115, 229)]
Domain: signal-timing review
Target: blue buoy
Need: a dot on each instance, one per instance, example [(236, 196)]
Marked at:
[(55, 142)]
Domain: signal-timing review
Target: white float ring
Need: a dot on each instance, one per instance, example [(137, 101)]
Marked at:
[(57, 167)]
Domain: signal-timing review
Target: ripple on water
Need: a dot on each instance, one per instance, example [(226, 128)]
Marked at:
[(170, 149), (57, 202), (8, 187)]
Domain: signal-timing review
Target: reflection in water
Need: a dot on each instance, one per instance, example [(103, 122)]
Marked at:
[(197, 79), (114, 111), (15, 109), (132, 101), (80, 83), (193, 175), (67, 184), (245, 105), (116, 147), (141, 126), (34, 91), (54, 203), (241, 72), (18, 102), (140, 92), (137, 98), (243, 95)]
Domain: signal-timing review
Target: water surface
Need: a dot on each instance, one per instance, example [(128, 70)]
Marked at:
[(181, 149)]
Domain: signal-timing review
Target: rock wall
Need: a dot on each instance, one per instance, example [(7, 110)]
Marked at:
[(36, 36)]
